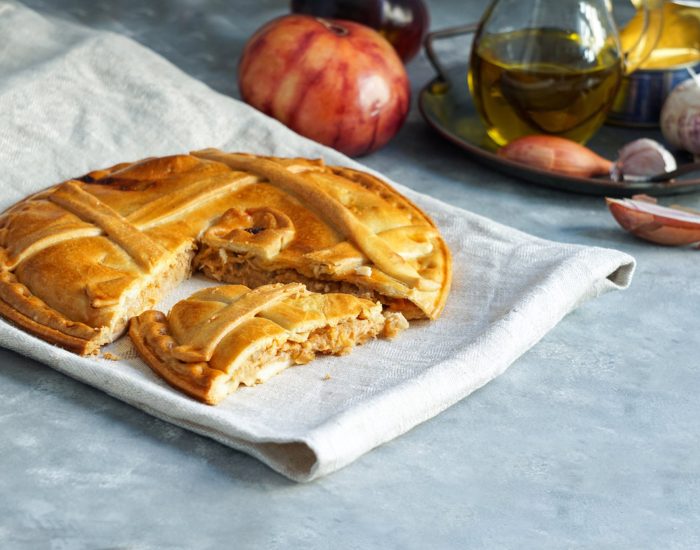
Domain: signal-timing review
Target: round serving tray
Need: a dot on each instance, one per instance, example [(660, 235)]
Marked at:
[(447, 107)]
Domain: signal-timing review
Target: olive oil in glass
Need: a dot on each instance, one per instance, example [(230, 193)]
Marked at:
[(543, 81)]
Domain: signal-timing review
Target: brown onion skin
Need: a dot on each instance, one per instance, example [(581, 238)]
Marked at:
[(556, 154), (337, 82), (655, 228)]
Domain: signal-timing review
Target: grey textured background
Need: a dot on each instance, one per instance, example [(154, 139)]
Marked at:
[(590, 440)]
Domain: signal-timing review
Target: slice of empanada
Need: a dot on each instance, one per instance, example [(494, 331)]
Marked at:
[(225, 336)]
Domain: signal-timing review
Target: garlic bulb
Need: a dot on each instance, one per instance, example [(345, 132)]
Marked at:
[(641, 159), (680, 116)]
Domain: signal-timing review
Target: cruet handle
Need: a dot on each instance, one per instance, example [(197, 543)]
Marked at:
[(652, 26)]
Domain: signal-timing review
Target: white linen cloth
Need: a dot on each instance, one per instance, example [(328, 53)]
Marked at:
[(73, 100)]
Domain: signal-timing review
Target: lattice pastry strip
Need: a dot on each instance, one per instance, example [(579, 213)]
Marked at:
[(146, 252)]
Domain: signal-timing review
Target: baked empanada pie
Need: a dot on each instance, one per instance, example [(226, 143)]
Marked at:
[(225, 336), (80, 258)]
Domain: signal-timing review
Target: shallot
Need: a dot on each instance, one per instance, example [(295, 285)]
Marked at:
[(641, 216), (680, 116), (557, 155)]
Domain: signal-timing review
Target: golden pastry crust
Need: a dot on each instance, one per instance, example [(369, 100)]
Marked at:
[(149, 334), (222, 337), (79, 259), (371, 236), (19, 306)]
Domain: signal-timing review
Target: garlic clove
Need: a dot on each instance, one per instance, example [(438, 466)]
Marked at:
[(556, 154), (659, 224), (642, 159)]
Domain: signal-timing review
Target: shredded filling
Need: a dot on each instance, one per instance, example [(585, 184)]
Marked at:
[(226, 266), (327, 340)]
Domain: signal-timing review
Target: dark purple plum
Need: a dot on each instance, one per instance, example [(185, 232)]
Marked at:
[(402, 22)]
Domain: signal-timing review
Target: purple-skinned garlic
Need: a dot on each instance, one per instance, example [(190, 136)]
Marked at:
[(641, 159), (680, 116)]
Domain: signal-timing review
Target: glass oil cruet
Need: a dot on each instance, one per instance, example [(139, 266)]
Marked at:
[(553, 66)]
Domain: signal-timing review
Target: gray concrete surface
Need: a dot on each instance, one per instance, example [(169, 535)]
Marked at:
[(590, 440)]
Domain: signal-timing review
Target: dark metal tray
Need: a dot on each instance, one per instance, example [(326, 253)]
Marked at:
[(446, 105)]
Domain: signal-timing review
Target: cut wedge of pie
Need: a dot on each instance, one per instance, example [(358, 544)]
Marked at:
[(225, 336), (79, 259)]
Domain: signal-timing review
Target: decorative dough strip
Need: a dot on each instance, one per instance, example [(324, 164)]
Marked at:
[(340, 217), (89, 208), (203, 344), (49, 236), (173, 205)]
